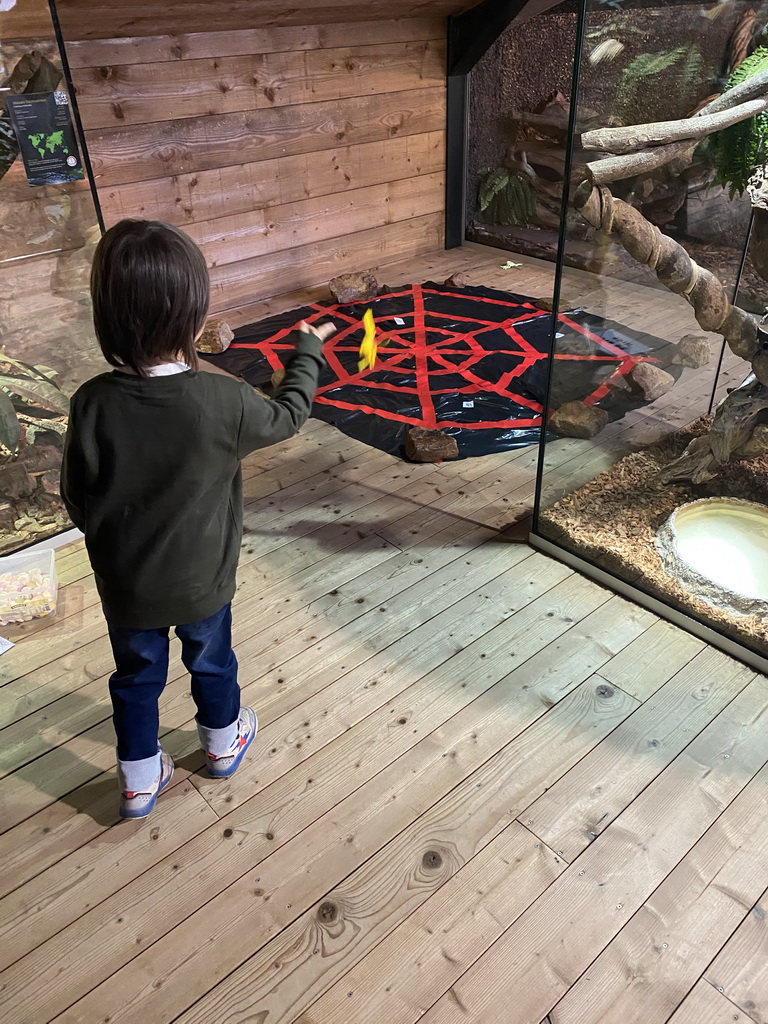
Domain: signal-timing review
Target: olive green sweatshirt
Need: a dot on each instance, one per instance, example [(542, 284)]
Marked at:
[(151, 475)]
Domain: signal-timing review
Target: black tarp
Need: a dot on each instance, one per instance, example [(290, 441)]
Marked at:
[(472, 362)]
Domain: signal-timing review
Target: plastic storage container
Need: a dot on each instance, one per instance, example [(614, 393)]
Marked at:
[(28, 586)]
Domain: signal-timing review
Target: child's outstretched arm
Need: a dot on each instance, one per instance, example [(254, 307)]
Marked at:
[(265, 422)]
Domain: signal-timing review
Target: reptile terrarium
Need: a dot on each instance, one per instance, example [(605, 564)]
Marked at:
[(665, 164), (48, 229)]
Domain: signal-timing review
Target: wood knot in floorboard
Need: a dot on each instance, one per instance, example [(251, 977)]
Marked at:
[(327, 912)]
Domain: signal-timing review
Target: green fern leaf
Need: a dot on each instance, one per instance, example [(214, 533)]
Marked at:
[(511, 199), (682, 68), (740, 149), (491, 186)]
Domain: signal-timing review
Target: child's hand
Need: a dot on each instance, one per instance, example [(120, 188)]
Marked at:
[(323, 332)]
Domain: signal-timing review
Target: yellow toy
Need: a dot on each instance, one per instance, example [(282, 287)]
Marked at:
[(368, 348)]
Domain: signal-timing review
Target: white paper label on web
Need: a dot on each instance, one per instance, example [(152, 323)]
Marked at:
[(399, 321), (468, 405)]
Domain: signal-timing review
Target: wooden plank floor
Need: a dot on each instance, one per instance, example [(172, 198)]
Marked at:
[(485, 789)]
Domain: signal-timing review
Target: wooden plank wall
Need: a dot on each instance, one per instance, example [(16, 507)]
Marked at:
[(26, 19), (289, 153), (142, 17)]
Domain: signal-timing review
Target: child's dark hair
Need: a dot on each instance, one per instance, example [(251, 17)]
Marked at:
[(150, 291)]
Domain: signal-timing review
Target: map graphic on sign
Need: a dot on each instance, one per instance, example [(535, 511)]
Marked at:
[(50, 143)]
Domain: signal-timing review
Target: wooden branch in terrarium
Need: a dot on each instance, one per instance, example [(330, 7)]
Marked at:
[(547, 124), (616, 168), (734, 433), (752, 88), (640, 136), (516, 159), (673, 266), (693, 129), (739, 433), (522, 155), (740, 43)]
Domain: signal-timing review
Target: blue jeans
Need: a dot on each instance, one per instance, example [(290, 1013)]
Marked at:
[(141, 660)]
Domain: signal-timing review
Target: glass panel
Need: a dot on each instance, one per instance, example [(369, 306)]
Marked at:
[(519, 99), (629, 388), (47, 237)]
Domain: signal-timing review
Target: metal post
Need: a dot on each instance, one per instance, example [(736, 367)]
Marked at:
[(562, 241), (76, 112)]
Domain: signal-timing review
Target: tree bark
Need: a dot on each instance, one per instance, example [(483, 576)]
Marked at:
[(616, 168), (739, 433), (739, 429), (751, 89), (673, 266), (639, 136), (741, 40)]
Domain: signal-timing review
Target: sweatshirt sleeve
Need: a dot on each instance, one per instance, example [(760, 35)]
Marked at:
[(73, 472), (264, 422)]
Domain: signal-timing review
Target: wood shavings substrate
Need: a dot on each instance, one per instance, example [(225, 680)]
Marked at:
[(612, 522)]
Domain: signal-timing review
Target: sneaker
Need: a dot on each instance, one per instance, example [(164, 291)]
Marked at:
[(139, 805), (227, 764)]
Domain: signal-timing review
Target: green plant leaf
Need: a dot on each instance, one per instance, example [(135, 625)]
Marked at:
[(491, 185), (9, 425), (38, 392), (33, 371), (511, 198), (682, 68), (740, 149)]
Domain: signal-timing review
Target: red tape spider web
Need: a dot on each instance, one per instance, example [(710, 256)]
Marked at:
[(448, 359)]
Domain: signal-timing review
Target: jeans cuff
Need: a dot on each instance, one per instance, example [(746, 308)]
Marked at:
[(218, 742), (139, 776)]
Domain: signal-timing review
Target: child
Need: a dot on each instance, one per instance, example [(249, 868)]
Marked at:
[(151, 475)]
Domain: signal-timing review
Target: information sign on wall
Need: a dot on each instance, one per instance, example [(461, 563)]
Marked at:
[(43, 126)]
